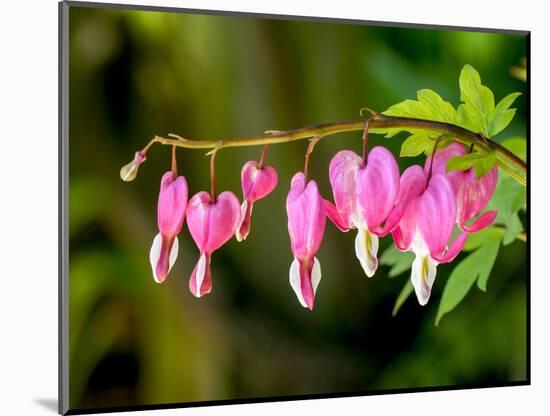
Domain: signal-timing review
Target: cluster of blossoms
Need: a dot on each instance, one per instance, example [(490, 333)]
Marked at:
[(419, 208)]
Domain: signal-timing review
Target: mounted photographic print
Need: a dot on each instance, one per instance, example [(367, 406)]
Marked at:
[(263, 208)]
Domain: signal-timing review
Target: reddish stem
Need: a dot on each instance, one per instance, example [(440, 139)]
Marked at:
[(433, 156), (262, 158), (309, 150), (174, 162), (366, 141), (213, 176)]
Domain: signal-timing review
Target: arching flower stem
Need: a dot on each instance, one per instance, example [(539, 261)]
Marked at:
[(506, 160)]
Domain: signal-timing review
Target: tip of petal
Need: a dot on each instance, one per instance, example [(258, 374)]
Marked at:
[(423, 272), (333, 215), (200, 282), (162, 256), (366, 250), (243, 229), (482, 222), (304, 276)]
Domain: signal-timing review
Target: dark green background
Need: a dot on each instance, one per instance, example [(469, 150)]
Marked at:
[(134, 74)]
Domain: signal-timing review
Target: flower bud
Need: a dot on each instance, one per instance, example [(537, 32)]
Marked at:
[(129, 172)]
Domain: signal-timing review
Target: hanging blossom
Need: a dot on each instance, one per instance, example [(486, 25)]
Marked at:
[(472, 193), (171, 208), (211, 222), (129, 172), (426, 226), (306, 224), (257, 182), (365, 196)]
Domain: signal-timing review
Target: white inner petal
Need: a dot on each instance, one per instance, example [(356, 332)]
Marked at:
[(199, 276), (173, 253), (423, 273), (366, 250), (356, 218), (243, 213), (315, 274), (154, 255), (294, 276)]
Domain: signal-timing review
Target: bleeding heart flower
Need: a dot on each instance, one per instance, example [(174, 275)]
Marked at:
[(211, 224), (306, 225), (472, 193), (257, 183), (343, 169), (426, 226), (377, 189), (171, 208)]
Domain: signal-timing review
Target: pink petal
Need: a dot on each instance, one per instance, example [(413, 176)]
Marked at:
[(453, 250), (306, 216), (392, 221), (436, 214), (411, 185), (200, 282), (342, 175), (403, 234), (212, 224), (377, 187), (172, 204), (442, 156), (483, 221), (474, 193), (334, 216), (257, 182)]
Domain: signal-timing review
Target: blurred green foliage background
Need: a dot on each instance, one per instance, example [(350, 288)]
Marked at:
[(134, 74)]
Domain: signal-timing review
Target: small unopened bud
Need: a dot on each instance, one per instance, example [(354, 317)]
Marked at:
[(129, 172)]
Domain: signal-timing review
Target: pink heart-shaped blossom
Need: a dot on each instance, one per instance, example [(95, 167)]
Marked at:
[(257, 183), (171, 209), (211, 224)]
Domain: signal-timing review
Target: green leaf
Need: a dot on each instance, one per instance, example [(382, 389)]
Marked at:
[(503, 114), (513, 228), (508, 199), (428, 106), (415, 145), (462, 162), (403, 295), (398, 261), (489, 252), (484, 164), (478, 112), (517, 145), (477, 265), (478, 100), (480, 238)]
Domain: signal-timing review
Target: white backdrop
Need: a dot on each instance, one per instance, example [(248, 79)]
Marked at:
[(28, 207)]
